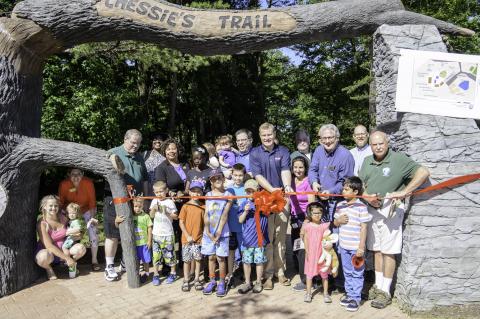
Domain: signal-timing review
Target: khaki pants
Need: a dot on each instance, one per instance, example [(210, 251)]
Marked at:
[(277, 230)]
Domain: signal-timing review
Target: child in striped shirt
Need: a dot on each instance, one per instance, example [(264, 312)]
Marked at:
[(351, 216)]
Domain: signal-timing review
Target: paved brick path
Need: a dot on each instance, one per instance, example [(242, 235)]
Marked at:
[(90, 296)]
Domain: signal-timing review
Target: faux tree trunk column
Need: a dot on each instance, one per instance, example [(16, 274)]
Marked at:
[(440, 260)]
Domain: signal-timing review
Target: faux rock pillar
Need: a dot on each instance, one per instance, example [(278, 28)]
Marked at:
[(440, 261)]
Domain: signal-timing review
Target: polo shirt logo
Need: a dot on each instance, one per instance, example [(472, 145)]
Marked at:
[(386, 171)]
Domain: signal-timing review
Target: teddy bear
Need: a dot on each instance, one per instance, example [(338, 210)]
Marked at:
[(329, 258)]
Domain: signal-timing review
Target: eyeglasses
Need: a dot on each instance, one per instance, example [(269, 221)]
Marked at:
[(243, 140), (360, 134)]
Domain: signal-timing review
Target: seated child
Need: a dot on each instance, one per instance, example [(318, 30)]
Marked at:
[(352, 216), (143, 235), (251, 252), (163, 211), (191, 223), (75, 223)]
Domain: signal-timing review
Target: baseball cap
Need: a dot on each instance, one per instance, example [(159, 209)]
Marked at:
[(215, 172), (251, 184), (196, 184)]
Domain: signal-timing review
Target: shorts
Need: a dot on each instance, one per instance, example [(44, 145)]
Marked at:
[(385, 234), (109, 219), (164, 250), (191, 251), (220, 248), (254, 255), (143, 254)]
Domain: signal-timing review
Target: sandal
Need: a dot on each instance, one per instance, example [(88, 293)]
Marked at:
[(96, 267), (185, 286), (198, 285)]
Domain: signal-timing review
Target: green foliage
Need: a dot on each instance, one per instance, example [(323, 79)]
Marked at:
[(465, 13), (94, 92), (6, 6)]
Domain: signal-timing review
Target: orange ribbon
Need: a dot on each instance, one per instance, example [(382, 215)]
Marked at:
[(449, 183), (267, 203)]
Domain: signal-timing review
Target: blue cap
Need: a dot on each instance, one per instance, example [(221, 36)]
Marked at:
[(196, 184)]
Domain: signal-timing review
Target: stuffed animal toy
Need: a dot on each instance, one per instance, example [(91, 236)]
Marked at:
[(329, 258)]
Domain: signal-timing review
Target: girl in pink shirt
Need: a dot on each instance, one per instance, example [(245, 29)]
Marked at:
[(312, 235)]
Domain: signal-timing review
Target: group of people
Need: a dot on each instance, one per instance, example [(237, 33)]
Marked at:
[(342, 203)]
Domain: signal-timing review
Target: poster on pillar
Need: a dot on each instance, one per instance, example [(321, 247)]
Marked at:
[(438, 83)]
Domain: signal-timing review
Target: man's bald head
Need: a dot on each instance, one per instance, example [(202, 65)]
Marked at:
[(379, 145)]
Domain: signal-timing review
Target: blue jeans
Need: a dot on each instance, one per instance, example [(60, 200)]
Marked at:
[(353, 277)]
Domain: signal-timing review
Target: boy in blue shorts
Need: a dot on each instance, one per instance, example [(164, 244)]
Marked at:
[(143, 235), (237, 189), (216, 233), (351, 216), (252, 253)]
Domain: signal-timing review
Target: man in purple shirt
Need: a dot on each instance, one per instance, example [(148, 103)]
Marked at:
[(331, 164), (243, 137), (270, 166)]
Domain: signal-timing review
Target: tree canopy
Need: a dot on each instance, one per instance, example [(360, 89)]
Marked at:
[(94, 92)]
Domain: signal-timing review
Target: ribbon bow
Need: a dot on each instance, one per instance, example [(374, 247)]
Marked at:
[(267, 203)]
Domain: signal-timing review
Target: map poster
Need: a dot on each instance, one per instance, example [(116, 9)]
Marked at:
[(438, 83)]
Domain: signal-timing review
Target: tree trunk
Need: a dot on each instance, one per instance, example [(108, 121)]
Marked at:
[(173, 103), (40, 28)]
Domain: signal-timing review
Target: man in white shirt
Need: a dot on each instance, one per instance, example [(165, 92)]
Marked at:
[(362, 149)]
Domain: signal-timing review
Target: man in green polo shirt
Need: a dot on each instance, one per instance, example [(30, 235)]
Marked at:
[(391, 176), (127, 161)]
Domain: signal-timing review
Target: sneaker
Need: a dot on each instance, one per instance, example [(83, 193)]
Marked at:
[(258, 287), (210, 288), (352, 306), (221, 289), (156, 281), (373, 292), (344, 301), (307, 298), (171, 278), (382, 300), (284, 281), (110, 273), (299, 287), (327, 299), (245, 288), (268, 285)]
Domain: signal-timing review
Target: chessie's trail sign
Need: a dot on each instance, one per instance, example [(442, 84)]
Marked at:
[(206, 23)]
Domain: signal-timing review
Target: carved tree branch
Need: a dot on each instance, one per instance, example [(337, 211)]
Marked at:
[(209, 32)]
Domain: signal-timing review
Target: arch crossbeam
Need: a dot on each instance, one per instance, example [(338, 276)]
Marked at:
[(209, 32)]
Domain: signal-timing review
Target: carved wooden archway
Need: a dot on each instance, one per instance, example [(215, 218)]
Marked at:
[(37, 29)]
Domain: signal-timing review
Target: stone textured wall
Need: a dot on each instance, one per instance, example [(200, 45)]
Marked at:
[(440, 262)]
